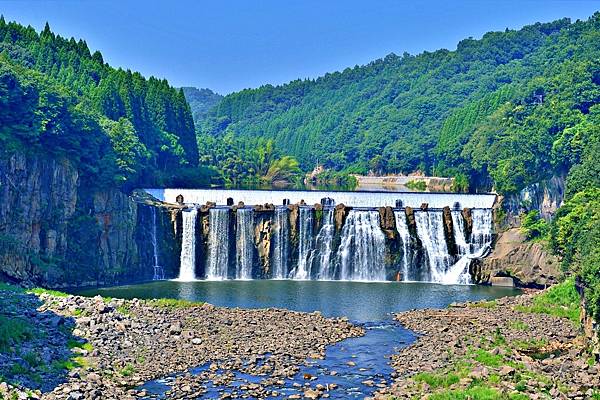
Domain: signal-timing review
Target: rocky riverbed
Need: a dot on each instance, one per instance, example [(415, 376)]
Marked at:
[(117, 345), (503, 349)]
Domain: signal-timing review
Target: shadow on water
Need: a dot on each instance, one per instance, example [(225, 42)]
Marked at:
[(355, 365), (36, 347)]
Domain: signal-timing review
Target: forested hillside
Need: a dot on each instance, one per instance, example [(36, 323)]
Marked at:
[(119, 127), (200, 101), (504, 111)]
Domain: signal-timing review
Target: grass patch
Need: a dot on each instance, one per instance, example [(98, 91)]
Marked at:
[(40, 291), (124, 309), (33, 359), (488, 359), (128, 370), (64, 365), (437, 380), (518, 325), (472, 393), (13, 331), (173, 303), (18, 369), (72, 343), (560, 300), (484, 304)]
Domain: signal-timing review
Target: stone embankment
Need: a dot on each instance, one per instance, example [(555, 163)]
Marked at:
[(120, 344), (496, 349)]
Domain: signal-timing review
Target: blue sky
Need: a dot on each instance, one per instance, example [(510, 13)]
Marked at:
[(232, 45)]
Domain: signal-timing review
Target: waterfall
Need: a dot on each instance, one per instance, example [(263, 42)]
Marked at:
[(460, 237), (305, 236), (159, 272), (218, 249), (402, 228), (481, 235), (430, 228), (245, 243), (362, 249), (357, 251), (187, 270), (281, 250), (321, 256), (481, 239)]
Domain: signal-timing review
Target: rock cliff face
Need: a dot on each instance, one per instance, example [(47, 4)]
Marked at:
[(57, 231), (546, 197), (527, 262)]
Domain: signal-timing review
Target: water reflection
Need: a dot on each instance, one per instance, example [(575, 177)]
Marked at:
[(358, 301)]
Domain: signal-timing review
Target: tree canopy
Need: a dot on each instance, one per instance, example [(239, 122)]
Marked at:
[(490, 111), (57, 95)]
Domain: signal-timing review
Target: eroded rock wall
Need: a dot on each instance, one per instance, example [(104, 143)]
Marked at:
[(58, 231), (545, 196)]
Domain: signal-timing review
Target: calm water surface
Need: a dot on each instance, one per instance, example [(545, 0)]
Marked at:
[(369, 304), (361, 302)]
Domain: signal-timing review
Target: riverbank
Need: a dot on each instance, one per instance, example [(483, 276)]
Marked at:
[(523, 347), (88, 348)]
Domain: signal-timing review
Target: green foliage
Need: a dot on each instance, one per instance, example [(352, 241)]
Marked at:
[(437, 380), (417, 185), (488, 359), (561, 300), (503, 112), (117, 126), (13, 331), (575, 235), (534, 227), (247, 162), (472, 393), (284, 169), (174, 303), (55, 293), (128, 370), (201, 101), (460, 183)]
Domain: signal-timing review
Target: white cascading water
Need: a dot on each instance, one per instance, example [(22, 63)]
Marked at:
[(159, 272), (459, 271), (481, 239), (430, 228), (280, 242), (460, 236), (218, 239), (245, 243), (402, 228), (321, 256), (481, 234), (362, 249), (187, 270), (305, 235)]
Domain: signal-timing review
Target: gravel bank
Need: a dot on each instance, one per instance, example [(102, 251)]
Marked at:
[(129, 342), (492, 349)]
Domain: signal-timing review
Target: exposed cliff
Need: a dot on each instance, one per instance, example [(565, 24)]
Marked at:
[(529, 263), (545, 196), (57, 231)]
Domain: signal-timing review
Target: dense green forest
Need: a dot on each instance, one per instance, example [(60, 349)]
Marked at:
[(119, 127), (499, 112), (200, 101)]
